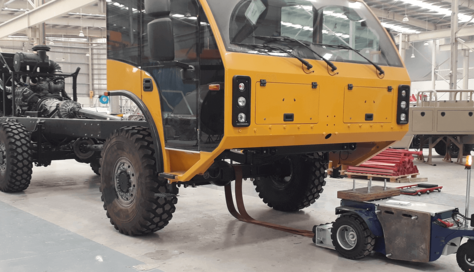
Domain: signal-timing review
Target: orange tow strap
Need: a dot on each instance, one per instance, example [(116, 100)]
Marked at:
[(242, 214)]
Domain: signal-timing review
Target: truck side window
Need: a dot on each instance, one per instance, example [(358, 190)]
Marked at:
[(123, 28)]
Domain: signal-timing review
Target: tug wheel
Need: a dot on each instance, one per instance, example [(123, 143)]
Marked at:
[(297, 184), (136, 200), (352, 237), (465, 256), (16, 166)]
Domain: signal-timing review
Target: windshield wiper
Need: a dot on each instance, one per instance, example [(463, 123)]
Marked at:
[(283, 38), (381, 71), (266, 46)]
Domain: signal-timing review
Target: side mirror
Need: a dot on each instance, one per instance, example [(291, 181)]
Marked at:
[(160, 31), (161, 40)]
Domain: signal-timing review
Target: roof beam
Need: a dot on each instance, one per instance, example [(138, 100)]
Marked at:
[(463, 3), (399, 17), (99, 22), (41, 14), (440, 34), (462, 46)]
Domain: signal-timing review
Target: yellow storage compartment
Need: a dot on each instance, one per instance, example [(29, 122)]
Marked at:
[(368, 104), (280, 103)]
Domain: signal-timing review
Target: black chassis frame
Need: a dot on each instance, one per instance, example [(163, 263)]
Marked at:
[(256, 162), (42, 129)]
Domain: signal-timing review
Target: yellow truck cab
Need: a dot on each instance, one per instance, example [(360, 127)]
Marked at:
[(278, 87)]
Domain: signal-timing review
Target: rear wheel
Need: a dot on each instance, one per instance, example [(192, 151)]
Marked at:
[(465, 256), (352, 237), (15, 158), (95, 166), (440, 148), (297, 183), (136, 200)]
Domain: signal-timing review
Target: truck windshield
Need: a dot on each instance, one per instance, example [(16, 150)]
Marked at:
[(315, 23)]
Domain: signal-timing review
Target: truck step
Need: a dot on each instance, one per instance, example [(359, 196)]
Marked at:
[(167, 175)]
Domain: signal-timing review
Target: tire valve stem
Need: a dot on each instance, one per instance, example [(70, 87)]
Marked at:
[(385, 184), (353, 185)]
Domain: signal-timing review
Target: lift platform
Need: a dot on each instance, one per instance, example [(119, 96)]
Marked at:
[(376, 219)]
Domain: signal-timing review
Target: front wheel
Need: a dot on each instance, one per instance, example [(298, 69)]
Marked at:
[(296, 184), (352, 237), (136, 200), (465, 256)]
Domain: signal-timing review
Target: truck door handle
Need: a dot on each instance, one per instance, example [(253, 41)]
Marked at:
[(147, 85)]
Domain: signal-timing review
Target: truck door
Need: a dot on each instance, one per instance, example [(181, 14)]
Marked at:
[(183, 91)]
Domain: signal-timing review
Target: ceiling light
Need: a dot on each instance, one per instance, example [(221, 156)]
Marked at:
[(412, 56), (63, 59), (434, 8), (87, 55), (426, 43), (81, 34), (400, 29), (405, 19)]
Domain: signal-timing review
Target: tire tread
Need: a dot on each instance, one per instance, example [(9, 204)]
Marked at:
[(21, 166), (154, 214)]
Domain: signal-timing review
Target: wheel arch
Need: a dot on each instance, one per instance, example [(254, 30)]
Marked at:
[(159, 154)]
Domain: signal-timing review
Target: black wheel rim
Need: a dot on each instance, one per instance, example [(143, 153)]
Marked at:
[(125, 180)]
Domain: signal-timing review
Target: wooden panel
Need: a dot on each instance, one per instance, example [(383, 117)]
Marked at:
[(277, 99), (362, 194), (368, 100), (406, 238)]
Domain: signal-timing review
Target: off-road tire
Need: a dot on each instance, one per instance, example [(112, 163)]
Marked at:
[(465, 256), (440, 148), (15, 176), (304, 186), (95, 166), (154, 202), (365, 239)]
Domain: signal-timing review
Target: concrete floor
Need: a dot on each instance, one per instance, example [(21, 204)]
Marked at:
[(58, 224)]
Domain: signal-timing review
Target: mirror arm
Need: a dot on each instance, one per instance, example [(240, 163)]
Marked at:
[(183, 65)]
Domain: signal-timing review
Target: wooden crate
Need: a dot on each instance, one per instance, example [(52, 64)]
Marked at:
[(394, 179)]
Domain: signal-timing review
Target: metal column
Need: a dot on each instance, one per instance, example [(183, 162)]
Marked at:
[(454, 45), (41, 27), (91, 86), (465, 71), (401, 47), (433, 66), (468, 195)]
